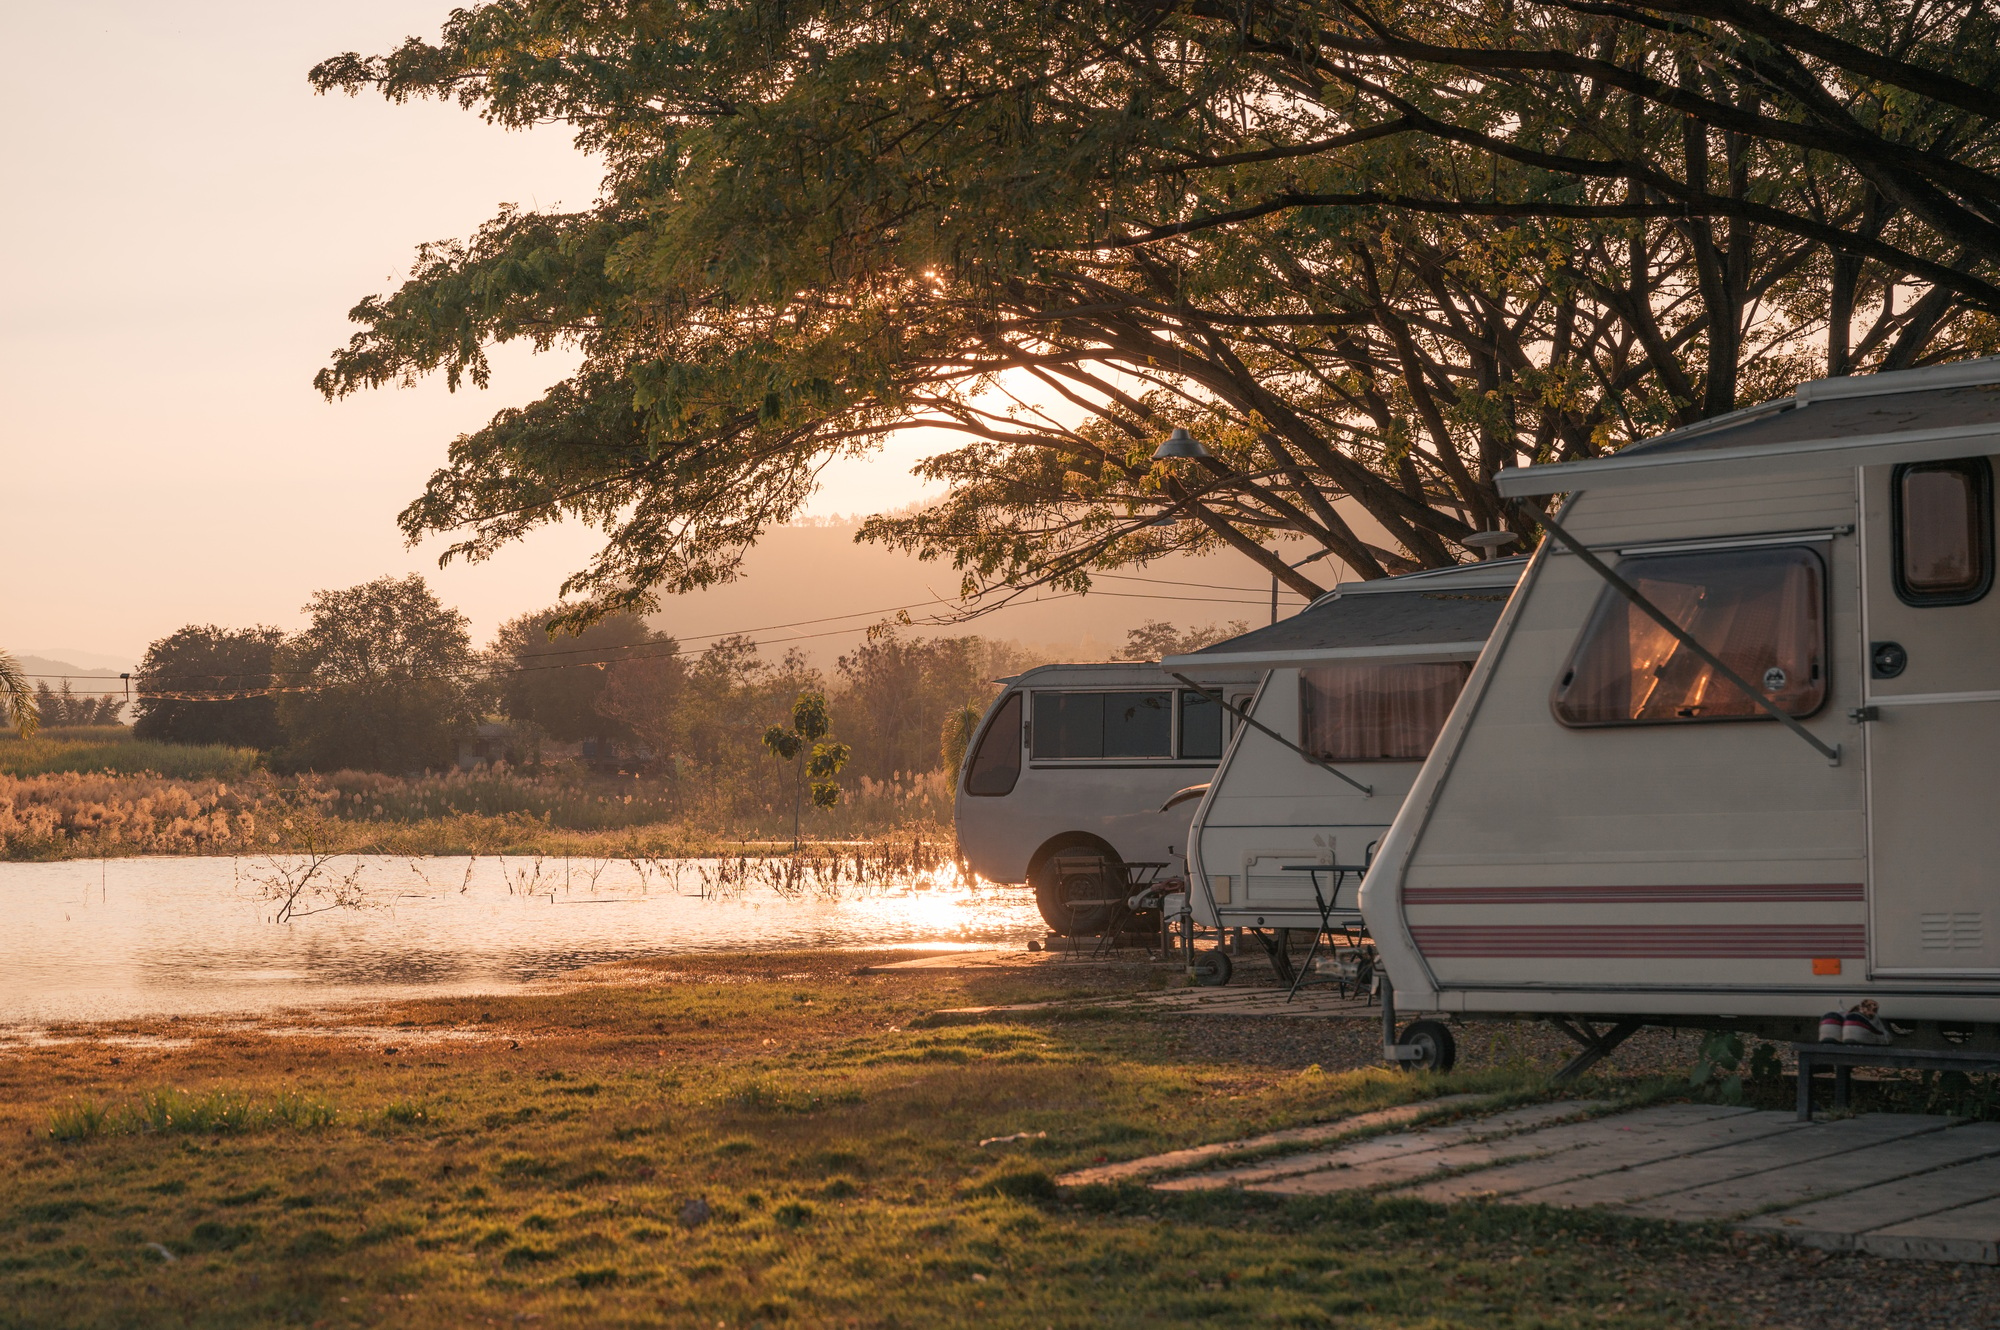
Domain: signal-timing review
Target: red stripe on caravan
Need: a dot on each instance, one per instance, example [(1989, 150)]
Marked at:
[(1641, 940), (1773, 891)]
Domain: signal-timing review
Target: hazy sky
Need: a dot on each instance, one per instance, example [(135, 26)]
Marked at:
[(187, 225)]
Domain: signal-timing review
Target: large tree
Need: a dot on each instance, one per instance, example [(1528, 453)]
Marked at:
[(207, 685), (557, 681), (1371, 254), (380, 680)]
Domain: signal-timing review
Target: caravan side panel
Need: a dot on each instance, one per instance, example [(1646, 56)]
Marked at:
[(1641, 859)]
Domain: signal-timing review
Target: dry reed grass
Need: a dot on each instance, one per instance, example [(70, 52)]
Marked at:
[(92, 814)]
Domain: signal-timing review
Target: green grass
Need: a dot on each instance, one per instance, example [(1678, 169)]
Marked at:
[(113, 749), (540, 1164), (210, 1112)]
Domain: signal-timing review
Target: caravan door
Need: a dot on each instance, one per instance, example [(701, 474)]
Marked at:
[(1933, 691)]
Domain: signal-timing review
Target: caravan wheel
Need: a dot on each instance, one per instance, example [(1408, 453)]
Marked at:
[(1213, 968), (1437, 1050), (1079, 886)]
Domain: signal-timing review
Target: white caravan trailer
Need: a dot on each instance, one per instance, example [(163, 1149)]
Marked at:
[(1352, 692), (1609, 828), (1064, 783)]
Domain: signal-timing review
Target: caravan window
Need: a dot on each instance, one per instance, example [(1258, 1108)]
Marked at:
[(996, 763), (1201, 725), (1095, 725), (1943, 530), (1356, 712), (1761, 610)]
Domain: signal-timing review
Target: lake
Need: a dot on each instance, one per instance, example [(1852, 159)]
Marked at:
[(109, 939)]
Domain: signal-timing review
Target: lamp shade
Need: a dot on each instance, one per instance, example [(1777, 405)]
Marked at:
[(1179, 444), (1489, 543)]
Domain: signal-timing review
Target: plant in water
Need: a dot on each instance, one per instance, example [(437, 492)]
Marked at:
[(806, 744), (299, 875)]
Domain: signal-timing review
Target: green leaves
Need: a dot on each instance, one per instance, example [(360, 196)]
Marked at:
[(1372, 260)]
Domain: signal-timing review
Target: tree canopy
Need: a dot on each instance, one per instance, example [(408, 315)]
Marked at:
[(558, 683), (1370, 253), (187, 680), (378, 681)]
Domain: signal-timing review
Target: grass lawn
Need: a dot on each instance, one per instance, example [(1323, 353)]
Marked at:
[(489, 1161)]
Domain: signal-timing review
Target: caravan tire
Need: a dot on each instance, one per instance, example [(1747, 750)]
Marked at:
[(1079, 885), (1213, 968), (1439, 1049)]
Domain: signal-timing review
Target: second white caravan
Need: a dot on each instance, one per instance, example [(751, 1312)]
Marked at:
[(1351, 694)]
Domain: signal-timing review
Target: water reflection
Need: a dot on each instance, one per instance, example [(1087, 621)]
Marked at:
[(102, 940)]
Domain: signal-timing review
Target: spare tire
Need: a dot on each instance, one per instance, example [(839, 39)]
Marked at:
[(1079, 885)]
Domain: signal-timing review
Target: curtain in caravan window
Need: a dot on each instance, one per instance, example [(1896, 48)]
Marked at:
[(1376, 713), (1760, 610)]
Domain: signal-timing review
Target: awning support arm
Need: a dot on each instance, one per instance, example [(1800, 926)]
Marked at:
[(1268, 732), (1596, 565)]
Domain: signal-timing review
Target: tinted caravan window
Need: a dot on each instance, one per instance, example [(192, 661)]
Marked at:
[(1091, 725), (1944, 531), (996, 763), (1201, 725), (1761, 610), (1377, 713)]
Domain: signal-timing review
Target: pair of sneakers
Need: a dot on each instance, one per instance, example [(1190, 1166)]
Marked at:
[(1860, 1026)]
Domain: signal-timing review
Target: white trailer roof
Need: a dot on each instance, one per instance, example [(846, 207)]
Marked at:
[(1903, 416), (1442, 614)]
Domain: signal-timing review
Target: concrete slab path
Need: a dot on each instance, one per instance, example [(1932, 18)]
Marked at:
[(1896, 1185), (1408, 1152)]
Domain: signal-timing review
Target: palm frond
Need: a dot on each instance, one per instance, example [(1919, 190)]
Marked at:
[(18, 697)]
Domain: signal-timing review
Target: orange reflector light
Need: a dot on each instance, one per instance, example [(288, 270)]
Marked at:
[(1826, 965)]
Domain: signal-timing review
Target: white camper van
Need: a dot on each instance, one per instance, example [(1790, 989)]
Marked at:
[(1063, 784), (1351, 694), (1608, 826)]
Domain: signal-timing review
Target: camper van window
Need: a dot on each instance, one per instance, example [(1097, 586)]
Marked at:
[(1376, 713), (1763, 611), (1201, 725), (1101, 725), (1943, 520), (996, 763)]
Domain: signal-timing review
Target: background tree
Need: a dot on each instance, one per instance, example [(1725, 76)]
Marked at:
[(1372, 258), (557, 682), (898, 691), (383, 674), (65, 706), (181, 672), (1157, 638), (956, 735), (18, 697)]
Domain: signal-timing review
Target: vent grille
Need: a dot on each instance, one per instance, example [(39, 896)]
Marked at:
[(1961, 931)]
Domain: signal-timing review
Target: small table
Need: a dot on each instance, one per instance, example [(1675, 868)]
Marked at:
[(1327, 903), (1841, 1059)]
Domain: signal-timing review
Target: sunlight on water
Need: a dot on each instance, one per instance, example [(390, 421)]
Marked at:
[(101, 940)]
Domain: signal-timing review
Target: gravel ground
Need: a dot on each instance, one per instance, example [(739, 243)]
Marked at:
[(1792, 1288), (1341, 1044)]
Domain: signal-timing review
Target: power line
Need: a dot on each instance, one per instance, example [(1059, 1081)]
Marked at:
[(492, 672)]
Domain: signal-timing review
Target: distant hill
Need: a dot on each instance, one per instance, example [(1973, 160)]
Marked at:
[(811, 587), (43, 669)]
